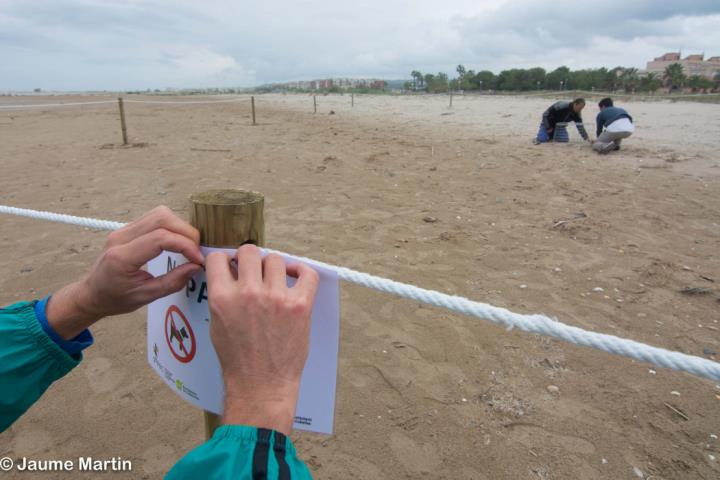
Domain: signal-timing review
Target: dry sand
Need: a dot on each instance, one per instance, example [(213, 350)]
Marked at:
[(422, 393)]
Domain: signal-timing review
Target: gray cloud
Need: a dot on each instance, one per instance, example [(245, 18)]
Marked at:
[(95, 44)]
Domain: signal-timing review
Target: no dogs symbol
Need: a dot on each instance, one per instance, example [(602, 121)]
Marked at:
[(179, 335)]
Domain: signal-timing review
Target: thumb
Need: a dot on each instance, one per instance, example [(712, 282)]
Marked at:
[(171, 282)]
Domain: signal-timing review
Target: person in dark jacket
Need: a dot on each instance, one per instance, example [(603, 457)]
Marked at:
[(617, 124), (555, 119)]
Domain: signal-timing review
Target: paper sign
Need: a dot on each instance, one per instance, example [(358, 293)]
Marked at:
[(180, 350)]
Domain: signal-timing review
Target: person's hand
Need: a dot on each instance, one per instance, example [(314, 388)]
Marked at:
[(116, 283), (260, 329)]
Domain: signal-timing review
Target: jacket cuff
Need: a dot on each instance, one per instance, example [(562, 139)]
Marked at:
[(73, 346), (244, 433), (59, 357)]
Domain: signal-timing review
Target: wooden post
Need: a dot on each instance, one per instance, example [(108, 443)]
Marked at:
[(227, 218), (122, 120), (450, 100), (352, 99), (252, 102), (314, 104)]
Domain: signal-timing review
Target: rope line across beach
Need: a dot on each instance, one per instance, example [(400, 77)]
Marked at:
[(105, 102), (536, 323)]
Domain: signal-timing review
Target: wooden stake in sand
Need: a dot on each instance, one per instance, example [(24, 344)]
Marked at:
[(314, 104), (450, 106), (227, 218), (252, 103), (122, 120), (352, 99)]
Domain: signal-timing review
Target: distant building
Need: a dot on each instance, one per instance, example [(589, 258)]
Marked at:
[(692, 65), (332, 83)]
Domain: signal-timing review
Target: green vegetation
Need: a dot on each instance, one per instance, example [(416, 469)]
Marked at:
[(623, 79), (674, 76)]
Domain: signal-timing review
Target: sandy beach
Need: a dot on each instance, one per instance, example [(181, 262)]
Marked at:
[(451, 199)]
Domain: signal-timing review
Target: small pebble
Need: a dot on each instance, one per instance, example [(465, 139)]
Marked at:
[(675, 392), (523, 286), (619, 300), (598, 289), (558, 269), (464, 400), (713, 436), (711, 457), (604, 461), (652, 372), (638, 472), (642, 315), (553, 389)]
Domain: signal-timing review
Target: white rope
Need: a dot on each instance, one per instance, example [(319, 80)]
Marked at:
[(529, 323), (45, 105), (175, 102), (153, 102), (91, 223)]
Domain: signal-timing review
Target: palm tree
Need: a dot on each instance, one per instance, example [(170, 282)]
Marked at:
[(674, 76), (460, 69), (629, 79), (650, 82), (417, 79)]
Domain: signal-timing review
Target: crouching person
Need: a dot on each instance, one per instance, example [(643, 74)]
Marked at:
[(617, 124), (556, 118)]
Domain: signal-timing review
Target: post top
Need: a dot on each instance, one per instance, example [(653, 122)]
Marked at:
[(226, 197)]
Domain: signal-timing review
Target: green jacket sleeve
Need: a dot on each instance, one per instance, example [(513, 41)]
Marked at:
[(238, 452), (29, 361)]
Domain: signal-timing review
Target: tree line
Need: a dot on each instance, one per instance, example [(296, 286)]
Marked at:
[(517, 79)]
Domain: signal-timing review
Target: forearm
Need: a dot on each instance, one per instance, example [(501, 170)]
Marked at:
[(581, 130), (263, 405), (69, 311)]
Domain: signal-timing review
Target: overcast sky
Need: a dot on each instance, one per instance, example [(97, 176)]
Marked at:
[(138, 44)]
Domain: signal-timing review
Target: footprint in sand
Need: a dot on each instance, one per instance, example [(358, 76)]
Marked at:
[(533, 436), (101, 374), (351, 466), (157, 460), (416, 459), (30, 441)]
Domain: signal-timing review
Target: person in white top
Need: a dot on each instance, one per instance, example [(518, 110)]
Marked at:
[(617, 125)]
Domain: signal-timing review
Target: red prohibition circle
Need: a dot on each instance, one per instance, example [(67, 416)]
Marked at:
[(179, 334)]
